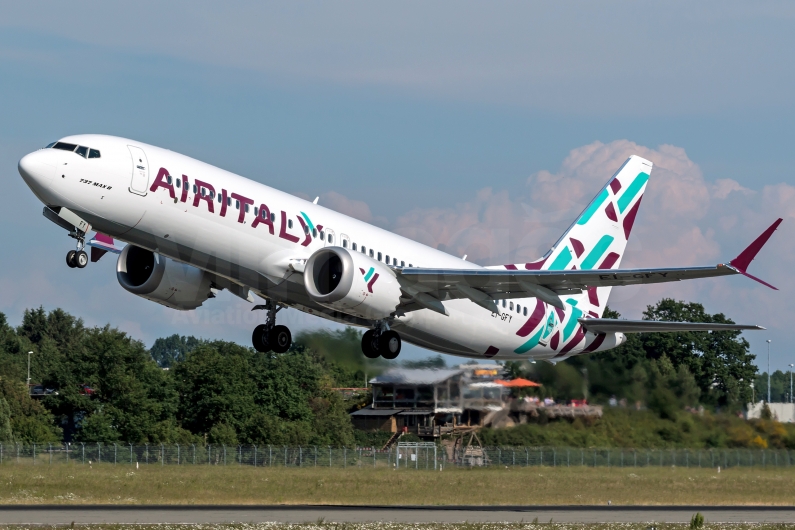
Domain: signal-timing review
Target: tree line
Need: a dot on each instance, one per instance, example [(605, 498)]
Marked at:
[(107, 386)]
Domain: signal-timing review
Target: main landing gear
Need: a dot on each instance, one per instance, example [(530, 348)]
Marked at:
[(77, 258), (268, 336), (381, 342)]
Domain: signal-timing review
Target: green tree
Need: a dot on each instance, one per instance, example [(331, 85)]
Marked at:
[(169, 350)]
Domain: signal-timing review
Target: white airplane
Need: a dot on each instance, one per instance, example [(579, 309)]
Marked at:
[(192, 229)]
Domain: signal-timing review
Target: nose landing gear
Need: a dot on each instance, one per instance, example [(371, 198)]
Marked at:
[(381, 342), (77, 258), (270, 337)]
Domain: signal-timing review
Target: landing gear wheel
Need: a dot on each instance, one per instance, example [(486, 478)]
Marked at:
[(280, 339), (81, 259), (70, 259), (259, 339), (367, 345), (389, 344)]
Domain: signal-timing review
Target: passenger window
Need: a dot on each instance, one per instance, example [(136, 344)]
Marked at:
[(394, 262), (229, 201), (331, 238), (168, 179), (246, 208), (204, 192), (518, 308), (402, 263), (364, 249), (379, 256), (93, 153), (344, 243), (212, 194), (306, 229), (503, 302), (82, 151), (322, 235), (178, 183), (256, 211), (410, 265), (237, 205), (371, 253), (510, 306), (354, 247), (195, 189), (220, 199), (387, 259), (289, 223), (525, 311), (273, 217), (314, 233)]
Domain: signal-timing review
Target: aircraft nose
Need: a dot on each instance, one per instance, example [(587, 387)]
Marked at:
[(35, 170)]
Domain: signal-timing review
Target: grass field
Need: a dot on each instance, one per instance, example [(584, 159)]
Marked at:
[(123, 484), (423, 526)]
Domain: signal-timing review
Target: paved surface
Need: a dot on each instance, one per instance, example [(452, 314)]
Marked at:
[(406, 514)]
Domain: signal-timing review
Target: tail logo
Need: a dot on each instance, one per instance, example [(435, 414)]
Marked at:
[(370, 277)]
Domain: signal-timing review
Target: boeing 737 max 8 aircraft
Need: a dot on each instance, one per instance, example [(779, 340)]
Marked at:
[(192, 229)]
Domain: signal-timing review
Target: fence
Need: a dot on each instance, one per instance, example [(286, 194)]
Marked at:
[(425, 456)]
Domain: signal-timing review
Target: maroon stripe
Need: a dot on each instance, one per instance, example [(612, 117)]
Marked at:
[(553, 342), (574, 341), (510, 267), (598, 340), (629, 220), (577, 245), (535, 318), (615, 185), (593, 297), (610, 212), (609, 261), (491, 352), (371, 282), (561, 314), (535, 265)]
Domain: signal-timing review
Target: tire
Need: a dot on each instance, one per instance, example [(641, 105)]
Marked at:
[(389, 344), (280, 339), (81, 259), (259, 339), (367, 345), (70, 259)]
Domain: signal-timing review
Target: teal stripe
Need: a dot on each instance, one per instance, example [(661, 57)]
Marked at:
[(531, 343), (369, 274), (306, 218), (572, 324), (597, 202), (562, 260), (601, 247), (632, 190)]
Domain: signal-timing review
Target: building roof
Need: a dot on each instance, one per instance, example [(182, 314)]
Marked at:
[(369, 411), (415, 376)]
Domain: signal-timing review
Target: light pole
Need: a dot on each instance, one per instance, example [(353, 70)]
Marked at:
[(29, 353), (768, 370), (790, 382)]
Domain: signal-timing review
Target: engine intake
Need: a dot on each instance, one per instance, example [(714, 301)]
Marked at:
[(351, 283), (162, 280)]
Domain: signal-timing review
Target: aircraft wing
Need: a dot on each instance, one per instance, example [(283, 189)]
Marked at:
[(611, 325), (427, 288)]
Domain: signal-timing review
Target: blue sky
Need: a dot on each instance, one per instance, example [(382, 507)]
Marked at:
[(398, 112)]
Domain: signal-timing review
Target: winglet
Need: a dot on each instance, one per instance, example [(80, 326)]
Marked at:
[(744, 259), (100, 244)]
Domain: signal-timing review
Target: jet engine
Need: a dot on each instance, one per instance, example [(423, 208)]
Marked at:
[(352, 283), (162, 280)]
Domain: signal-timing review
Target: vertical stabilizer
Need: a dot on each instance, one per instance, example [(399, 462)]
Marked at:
[(598, 238)]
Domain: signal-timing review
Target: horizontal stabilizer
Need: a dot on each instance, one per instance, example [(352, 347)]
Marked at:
[(612, 325)]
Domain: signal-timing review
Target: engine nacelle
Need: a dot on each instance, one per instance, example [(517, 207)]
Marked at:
[(352, 283), (162, 280)]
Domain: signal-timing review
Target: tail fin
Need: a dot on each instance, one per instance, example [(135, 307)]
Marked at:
[(598, 238)]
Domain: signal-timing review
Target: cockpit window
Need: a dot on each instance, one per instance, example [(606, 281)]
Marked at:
[(82, 151), (64, 146), (93, 153), (50, 145)]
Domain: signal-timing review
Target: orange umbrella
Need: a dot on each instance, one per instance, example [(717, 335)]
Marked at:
[(520, 382)]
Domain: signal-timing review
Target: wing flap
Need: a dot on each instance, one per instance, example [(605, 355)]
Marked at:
[(611, 325)]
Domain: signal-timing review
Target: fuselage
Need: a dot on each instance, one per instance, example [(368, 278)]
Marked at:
[(249, 233)]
